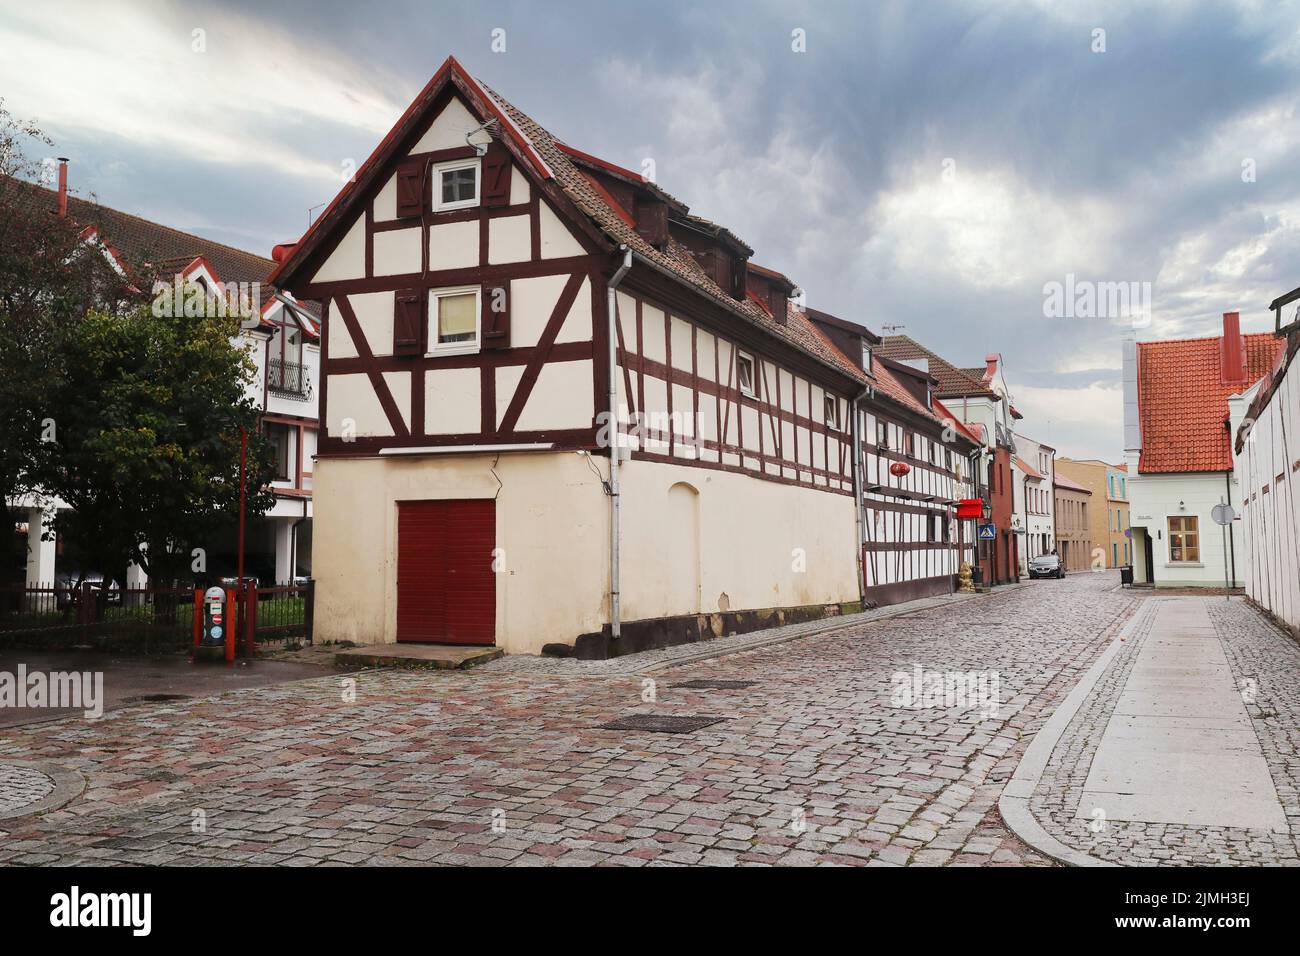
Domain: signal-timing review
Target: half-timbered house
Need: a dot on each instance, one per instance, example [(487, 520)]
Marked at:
[(560, 409)]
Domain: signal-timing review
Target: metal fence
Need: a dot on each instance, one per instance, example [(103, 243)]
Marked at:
[(147, 619)]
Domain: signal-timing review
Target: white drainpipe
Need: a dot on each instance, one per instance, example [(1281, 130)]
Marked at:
[(611, 303)]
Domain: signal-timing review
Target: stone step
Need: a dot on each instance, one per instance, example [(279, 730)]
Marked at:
[(417, 656)]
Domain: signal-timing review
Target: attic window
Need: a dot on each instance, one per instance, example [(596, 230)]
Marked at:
[(456, 185), (745, 373), (866, 356)]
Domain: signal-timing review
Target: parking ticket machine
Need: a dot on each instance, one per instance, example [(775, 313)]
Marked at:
[(214, 636)]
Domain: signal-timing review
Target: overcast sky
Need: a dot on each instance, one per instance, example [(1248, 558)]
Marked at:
[(931, 165)]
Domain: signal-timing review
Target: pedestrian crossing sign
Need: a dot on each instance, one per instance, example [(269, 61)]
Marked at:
[(988, 532)]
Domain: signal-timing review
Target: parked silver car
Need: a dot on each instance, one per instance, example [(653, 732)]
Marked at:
[(1046, 566)]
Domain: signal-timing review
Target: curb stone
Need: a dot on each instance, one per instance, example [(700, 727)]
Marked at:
[(1014, 802)]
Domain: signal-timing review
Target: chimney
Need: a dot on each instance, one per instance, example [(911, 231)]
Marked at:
[(63, 187), (990, 367), (1232, 356)]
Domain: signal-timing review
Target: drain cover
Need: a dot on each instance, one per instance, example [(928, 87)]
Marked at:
[(21, 786), (661, 723), (703, 684), (27, 789)]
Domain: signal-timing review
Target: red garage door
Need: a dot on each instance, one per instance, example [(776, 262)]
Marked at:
[(446, 588)]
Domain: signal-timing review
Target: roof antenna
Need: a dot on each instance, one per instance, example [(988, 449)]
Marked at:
[(480, 149), (892, 328)]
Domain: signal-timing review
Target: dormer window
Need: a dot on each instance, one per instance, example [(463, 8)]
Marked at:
[(745, 373), (866, 357), (455, 185)]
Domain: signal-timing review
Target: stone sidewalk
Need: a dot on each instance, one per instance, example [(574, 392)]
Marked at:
[(1184, 750)]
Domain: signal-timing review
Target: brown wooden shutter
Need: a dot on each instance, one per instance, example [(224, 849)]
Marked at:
[(496, 175), (496, 315), (410, 189), (408, 322)]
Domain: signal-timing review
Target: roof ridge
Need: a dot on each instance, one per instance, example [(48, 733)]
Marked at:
[(1205, 338)]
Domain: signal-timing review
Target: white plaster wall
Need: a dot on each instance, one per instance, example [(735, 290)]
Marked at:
[(749, 532), (1154, 498), (448, 130), (552, 520)]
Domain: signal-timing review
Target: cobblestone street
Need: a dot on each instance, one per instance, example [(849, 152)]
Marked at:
[(812, 763)]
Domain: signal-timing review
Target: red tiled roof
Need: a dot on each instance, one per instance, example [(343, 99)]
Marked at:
[(1062, 482), (1183, 401), (952, 380)]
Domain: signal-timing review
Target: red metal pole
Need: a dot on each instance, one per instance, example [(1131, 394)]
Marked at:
[(229, 618), (243, 458)]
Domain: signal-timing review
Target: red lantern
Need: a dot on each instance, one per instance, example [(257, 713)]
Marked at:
[(899, 468)]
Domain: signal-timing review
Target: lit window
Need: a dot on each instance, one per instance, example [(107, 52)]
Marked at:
[(745, 373), (1184, 539), (454, 320), (456, 185)]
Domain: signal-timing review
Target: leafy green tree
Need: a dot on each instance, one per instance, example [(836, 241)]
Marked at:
[(48, 281), (151, 403)]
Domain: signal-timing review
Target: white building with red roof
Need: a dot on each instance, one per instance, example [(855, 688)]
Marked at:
[(1178, 444)]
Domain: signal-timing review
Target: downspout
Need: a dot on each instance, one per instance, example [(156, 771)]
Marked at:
[(611, 314), (293, 543), (859, 517), (1232, 534)]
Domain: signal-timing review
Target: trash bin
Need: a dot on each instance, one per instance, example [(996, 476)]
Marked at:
[(1126, 575), (977, 575)]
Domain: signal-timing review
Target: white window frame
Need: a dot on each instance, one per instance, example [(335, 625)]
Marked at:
[(454, 348), (746, 390), (831, 411), (452, 166)]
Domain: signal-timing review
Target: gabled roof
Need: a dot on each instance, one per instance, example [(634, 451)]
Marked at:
[(557, 166), (1183, 401), (142, 242), (137, 243), (953, 381)]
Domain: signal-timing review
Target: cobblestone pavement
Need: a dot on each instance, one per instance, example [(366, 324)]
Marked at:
[(814, 763), (1266, 666)]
